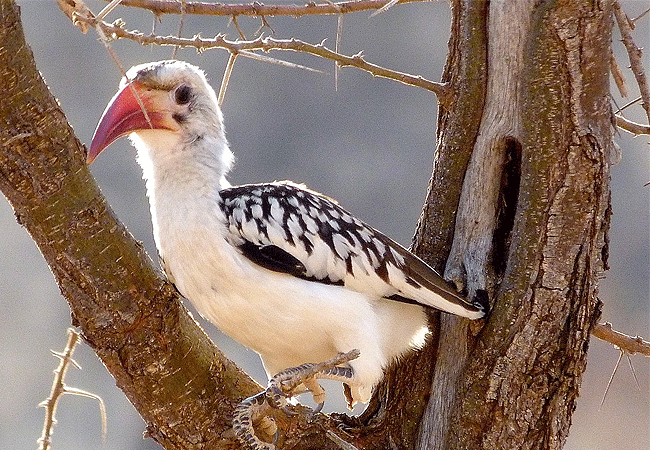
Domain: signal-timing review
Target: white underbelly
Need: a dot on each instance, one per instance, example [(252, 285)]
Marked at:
[(290, 321), (287, 320)]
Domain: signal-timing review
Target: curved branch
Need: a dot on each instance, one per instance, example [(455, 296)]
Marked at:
[(257, 9), (115, 31), (631, 127)]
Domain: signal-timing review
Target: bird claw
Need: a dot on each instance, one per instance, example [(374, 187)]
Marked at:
[(246, 414), (254, 410), (288, 411)]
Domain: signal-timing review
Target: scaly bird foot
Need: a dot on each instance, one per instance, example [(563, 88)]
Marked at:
[(253, 412)]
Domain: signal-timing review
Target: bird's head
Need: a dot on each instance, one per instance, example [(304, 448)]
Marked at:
[(164, 105)]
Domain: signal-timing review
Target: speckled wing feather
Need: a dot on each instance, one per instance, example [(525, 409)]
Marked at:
[(287, 228)]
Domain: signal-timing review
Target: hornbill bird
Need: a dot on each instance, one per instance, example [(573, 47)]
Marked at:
[(279, 268)]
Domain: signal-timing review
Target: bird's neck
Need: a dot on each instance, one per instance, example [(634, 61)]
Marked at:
[(183, 180)]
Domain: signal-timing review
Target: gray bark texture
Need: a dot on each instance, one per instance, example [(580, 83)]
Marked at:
[(517, 211)]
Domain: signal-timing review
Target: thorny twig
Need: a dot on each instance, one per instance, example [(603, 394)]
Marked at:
[(256, 9), (635, 54), (627, 345), (77, 11), (442, 90), (59, 389), (611, 378)]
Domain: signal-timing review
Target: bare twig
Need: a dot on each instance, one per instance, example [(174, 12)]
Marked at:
[(636, 379), (640, 15), (257, 9), (263, 25), (611, 378), (181, 24), (226, 77), (618, 76), (337, 49), (442, 90), (385, 8), (279, 62), (107, 9), (635, 54), (628, 104), (231, 64), (239, 30), (631, 127), (59, 388), (628, 344), (337, 44)]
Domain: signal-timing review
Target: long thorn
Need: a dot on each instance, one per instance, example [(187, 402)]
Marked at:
[(611, 378), (636, 380), (226, 77)]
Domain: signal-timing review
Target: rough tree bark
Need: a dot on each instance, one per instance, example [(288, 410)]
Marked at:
[(531, 225), (519, 199)]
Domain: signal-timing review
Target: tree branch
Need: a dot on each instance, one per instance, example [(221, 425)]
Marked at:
[(634, 54), (257, 9), (628, 344), (631, 127), (59, 389), (116, 31)]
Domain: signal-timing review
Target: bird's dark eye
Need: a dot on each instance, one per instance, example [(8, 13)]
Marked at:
[(183, 94)]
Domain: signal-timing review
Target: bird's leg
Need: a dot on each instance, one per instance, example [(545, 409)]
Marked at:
[(285, 383), (282, 387)]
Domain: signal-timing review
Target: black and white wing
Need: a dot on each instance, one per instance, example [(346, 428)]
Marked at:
[(287, 228)]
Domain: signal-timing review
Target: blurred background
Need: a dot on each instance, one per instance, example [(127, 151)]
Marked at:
[(368, 144)]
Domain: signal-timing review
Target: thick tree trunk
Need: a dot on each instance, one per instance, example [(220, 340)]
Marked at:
[(531, 225)]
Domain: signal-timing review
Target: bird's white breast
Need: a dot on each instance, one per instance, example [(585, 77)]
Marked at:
[(287, 320)]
